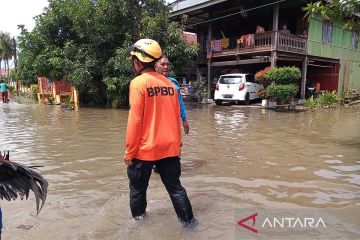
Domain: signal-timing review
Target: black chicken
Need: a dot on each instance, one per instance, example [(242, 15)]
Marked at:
[(17, 180)]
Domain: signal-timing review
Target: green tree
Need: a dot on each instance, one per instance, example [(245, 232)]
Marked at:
[(6, 51), (119, 70), (283, 75), (335, 10), (87, 41), (282, 92), (30, 46)]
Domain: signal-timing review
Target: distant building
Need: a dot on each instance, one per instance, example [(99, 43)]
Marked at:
[(248, 35), (57, 90), (190, 37), (4, 72)]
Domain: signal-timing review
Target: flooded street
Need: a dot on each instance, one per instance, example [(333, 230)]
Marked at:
[(235, 157)]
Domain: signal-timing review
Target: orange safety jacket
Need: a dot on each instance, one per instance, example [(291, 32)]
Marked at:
[(153, 130)]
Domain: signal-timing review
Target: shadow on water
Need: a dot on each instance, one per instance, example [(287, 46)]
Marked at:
[(235, 157)]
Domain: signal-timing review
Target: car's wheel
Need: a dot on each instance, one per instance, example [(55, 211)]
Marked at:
[(218, 102), (247, 99)]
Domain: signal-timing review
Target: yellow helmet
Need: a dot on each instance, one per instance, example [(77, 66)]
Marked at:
[(146, 50)]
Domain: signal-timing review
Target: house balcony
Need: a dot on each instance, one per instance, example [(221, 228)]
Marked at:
[(265, 42)]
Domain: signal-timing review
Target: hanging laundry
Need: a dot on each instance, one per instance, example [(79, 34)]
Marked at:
[(225, 43), (217, 46), (245, 39), (240, 40), (252, 40), (249, 40)]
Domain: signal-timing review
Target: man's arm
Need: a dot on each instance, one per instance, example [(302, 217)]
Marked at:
[(182, 105), (135, 121), (182, 108), (183, 115)]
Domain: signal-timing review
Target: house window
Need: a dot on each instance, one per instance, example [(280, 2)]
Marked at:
[(327, 32), (355, 40)]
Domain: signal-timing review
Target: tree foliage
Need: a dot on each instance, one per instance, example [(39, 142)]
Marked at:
[(260, 76), (282, 92), (346, 10), (283, 75), (6, 49), (87, 42)]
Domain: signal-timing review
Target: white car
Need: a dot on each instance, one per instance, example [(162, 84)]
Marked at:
[(235, 88)]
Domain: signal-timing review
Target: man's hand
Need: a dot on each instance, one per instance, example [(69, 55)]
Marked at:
[(128, 162), (186, 127)]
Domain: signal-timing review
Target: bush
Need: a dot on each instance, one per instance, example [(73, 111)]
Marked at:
[(200, 87), (11, 89), (34, 89), (117, 80), (24, 98), (260, 76), (311, 103), (262, 93), (283, 75), (328, 99), (282, 92), (118, 91)]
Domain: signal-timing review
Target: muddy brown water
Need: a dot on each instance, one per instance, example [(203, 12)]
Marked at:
[(235, 157)]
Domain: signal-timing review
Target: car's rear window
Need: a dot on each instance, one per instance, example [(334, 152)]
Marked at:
[(231, 80)]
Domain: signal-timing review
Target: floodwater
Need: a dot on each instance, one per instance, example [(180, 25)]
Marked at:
[(235, 157)]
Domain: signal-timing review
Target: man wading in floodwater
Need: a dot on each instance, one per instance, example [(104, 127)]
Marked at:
[(162, 66), (153, 134)]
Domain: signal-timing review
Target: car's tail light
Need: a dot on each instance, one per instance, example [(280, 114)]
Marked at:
[(242, 86), (217, 87)]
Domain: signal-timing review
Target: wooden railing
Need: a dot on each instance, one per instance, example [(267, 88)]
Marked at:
[(266, 42), (263, 39), (292, 43)]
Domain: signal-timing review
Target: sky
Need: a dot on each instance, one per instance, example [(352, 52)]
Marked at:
[(15, 12)]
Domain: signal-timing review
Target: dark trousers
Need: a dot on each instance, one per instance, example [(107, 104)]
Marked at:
[(170, 170), (4, 97)]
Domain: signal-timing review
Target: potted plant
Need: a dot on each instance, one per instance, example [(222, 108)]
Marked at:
[(283, 92), (283, 86), (264, 96), (200, 89)]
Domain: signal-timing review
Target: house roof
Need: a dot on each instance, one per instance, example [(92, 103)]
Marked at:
[(203, 11), (189, 37), (182, 7), (4, 72)]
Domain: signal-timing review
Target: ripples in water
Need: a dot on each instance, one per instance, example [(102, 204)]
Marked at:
[(234, 157)]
